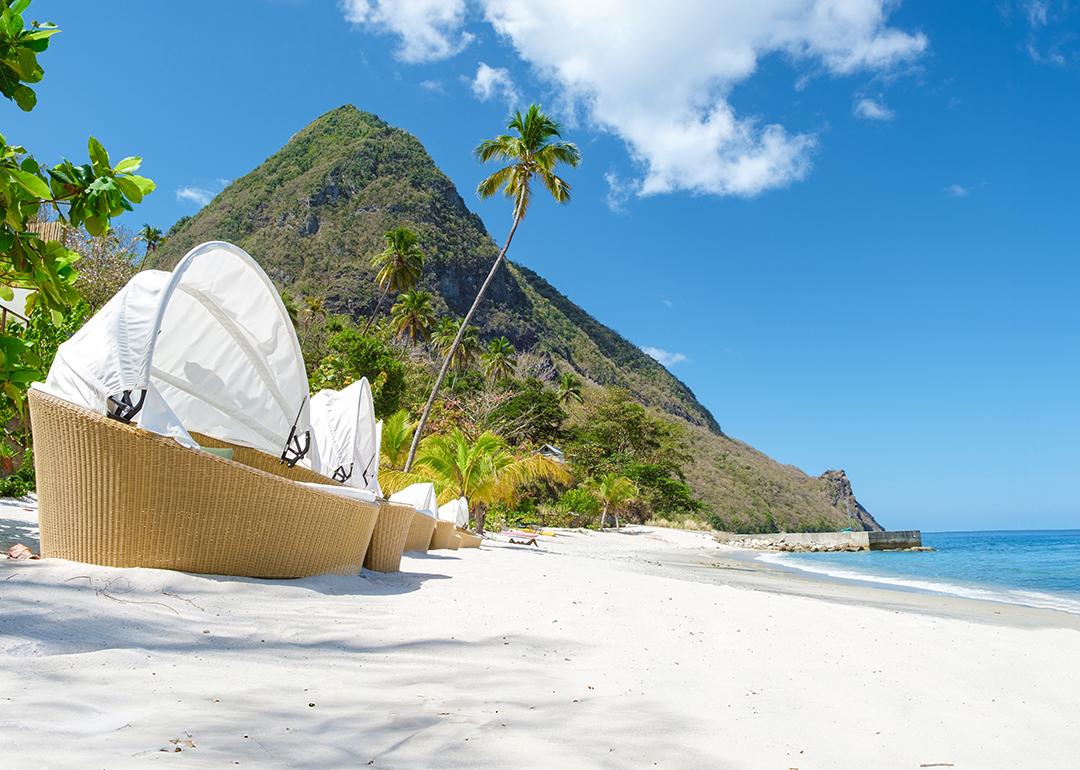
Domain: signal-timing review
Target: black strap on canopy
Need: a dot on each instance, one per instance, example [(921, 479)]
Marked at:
[(294, 451), (342, 475), (121, 408)]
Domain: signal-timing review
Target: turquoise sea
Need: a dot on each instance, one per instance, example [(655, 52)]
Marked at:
[(1037, 568)]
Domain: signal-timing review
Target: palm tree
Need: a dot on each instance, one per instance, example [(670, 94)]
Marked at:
[(314, 307), (499, 359), (412, 315), (396, 432), (444, 336), (399, 266), (569, 388), (484, 471), (613, 491), (151, 236), (534, 151)]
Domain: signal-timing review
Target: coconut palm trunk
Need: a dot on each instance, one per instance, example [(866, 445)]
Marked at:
[(375, 313), (479, 518), (518, 214)]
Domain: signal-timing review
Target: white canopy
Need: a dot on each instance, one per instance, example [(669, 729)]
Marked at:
[(419, 496), (344, 430), (207, 348), (456, 511)]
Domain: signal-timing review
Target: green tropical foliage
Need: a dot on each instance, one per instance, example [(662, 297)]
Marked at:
[(87, 196), (19, 47), (613, 491), (352, 356), (151, 236), (485, 470), (396, 433), (499, 359), (467, 350), (399, 266), (569, 389), (413, 316)]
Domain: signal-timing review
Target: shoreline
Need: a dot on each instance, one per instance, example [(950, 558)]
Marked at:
[(727, 565)]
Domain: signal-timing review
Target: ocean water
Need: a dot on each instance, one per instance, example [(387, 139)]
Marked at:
[(1038, 568)]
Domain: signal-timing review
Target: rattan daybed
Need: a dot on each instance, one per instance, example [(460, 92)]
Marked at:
[(344, 429), (132, 398), (110, 493), (440, 538), (421, 497), (469, 539)]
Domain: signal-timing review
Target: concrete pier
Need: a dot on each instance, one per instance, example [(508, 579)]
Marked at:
[(891, 541), (827, 541)]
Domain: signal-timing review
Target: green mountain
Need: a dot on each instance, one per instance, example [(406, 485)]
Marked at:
[(315, 212)]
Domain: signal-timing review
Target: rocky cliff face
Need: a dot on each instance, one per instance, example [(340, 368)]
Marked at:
[(314, 213), (841, 497)]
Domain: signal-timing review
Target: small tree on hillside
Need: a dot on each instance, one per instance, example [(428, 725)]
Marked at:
[(613, 491)]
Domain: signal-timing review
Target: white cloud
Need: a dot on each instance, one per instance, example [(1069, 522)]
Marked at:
[(872, 109), (664, 357), (494, 81), (957, 191), (1036, 12), (197, 195), (429, 29), (660, 75), (433, 86), (619, 191)]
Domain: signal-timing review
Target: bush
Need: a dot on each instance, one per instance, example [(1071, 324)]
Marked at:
[(21, 482), (354, 356), (578, 500)]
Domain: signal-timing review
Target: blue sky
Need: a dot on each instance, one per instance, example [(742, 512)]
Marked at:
[(851, 228)]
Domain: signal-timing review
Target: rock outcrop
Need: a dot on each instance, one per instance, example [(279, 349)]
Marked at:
[(841, 497)]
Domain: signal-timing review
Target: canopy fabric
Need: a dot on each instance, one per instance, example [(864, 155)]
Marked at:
[(207, 348), (420, 496), (456, 511), (344, 429)]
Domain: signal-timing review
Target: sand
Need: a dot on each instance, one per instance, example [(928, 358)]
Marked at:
[(595, 650)]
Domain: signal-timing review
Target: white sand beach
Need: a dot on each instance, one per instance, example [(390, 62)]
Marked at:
[(594, 650)]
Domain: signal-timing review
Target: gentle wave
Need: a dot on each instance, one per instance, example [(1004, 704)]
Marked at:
[(1022, 598)]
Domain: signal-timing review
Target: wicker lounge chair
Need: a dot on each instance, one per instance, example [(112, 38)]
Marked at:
[(440, 538), (131, 399), (112, 494), (469, 539), (421, 497), (347, 436)]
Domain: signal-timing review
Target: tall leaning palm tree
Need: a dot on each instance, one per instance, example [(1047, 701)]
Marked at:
[(499, 359), (399, 266), (412, 315), (534, 151), (613, 491)]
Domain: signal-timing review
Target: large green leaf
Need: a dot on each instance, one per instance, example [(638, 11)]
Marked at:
[(98, 157), (32, 183), (25, 97), (127, 165), (129, 188)]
